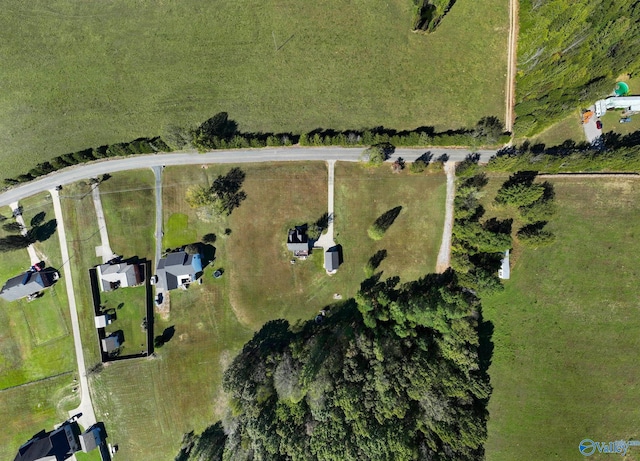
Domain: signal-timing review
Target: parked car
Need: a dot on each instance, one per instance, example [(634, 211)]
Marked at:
[(625, 120), (598, 124)]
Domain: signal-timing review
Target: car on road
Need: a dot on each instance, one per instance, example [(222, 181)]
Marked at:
[(598, 124), (625, 120)]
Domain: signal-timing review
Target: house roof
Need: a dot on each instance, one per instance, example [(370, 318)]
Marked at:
[(90, 439), (125, 274), (110, 343), (331, 260), (48, 446), (297, 240), (176, 266), (26, 284)]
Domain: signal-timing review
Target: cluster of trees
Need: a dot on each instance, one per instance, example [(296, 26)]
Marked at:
[(15, 240), (401, 380), (617, 155), (569, 55), (535, 204), (429, 13), (477, 247), (380, 226), (224, 195), (138, 146)]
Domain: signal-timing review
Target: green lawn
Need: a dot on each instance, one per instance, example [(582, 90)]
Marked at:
[(569, 128), (129, 305), (128, 203), (611, 120), (567, 329), (27, 409), (35, 338), (104, 73)]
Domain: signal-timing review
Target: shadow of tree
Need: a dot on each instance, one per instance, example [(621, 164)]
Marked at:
[(38, 219), (165, 337), (44, 231), (386, 219)]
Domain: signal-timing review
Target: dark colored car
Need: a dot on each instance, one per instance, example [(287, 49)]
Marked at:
[(598, 124)]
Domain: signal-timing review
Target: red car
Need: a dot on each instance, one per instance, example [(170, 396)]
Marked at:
[(598, 124)]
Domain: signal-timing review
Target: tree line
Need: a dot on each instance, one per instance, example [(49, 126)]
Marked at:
[(221, 132), (122, 149)]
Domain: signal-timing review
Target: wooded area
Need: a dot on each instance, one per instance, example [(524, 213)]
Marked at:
[(569, 55)]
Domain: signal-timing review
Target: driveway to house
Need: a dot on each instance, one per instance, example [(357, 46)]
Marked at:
[(88, 417), (591, 131), (326, 240), (105, 249), (287, 154), (444, 255), (35, 259)]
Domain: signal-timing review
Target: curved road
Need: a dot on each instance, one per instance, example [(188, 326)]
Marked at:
[(292, 154)]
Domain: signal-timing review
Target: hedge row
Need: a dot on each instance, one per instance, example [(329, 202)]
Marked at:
[(621, 159), (138, 146)]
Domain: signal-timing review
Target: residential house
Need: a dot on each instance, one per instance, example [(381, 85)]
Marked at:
[(179, 269), (119, 275), (505, 270), (28, 284), (57, 445), (298, 242)]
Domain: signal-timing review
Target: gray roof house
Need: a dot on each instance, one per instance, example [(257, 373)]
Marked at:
[(112, 276), (178, 269), (56, 445), (92, 438), (505, 270), (298, 242), (111, 343), (331, 260), (26, 284)]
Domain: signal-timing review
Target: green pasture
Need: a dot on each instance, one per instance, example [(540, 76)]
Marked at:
[(83, 74), (567, 328), (128, 203), (29, 408)]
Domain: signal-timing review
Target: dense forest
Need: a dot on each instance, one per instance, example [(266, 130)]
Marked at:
[(394, 374), (570, 54)]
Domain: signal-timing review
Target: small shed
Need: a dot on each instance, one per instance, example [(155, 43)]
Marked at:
[(505, 271), (102, 321), (331, 260), (111, 343)]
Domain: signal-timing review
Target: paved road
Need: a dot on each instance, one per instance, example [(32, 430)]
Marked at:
[(88, 417), (94, 169), (591, 131)]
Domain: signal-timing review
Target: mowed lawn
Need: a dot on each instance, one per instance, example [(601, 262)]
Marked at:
[(35, 336), (37, 360), (567, 329), (128, 203), (28, 409), (82, 74)]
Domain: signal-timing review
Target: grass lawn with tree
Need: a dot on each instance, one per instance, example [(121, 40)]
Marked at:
[(97, 74), (566, 327), (36, 346)]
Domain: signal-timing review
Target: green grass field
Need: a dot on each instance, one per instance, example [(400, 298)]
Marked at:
[(130, 308), (80, 74), (569, 128), (128, 203), (27, 409), (567, 329)]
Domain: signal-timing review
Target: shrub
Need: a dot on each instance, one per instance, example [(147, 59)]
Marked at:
[(534, 235), (418, 166)]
